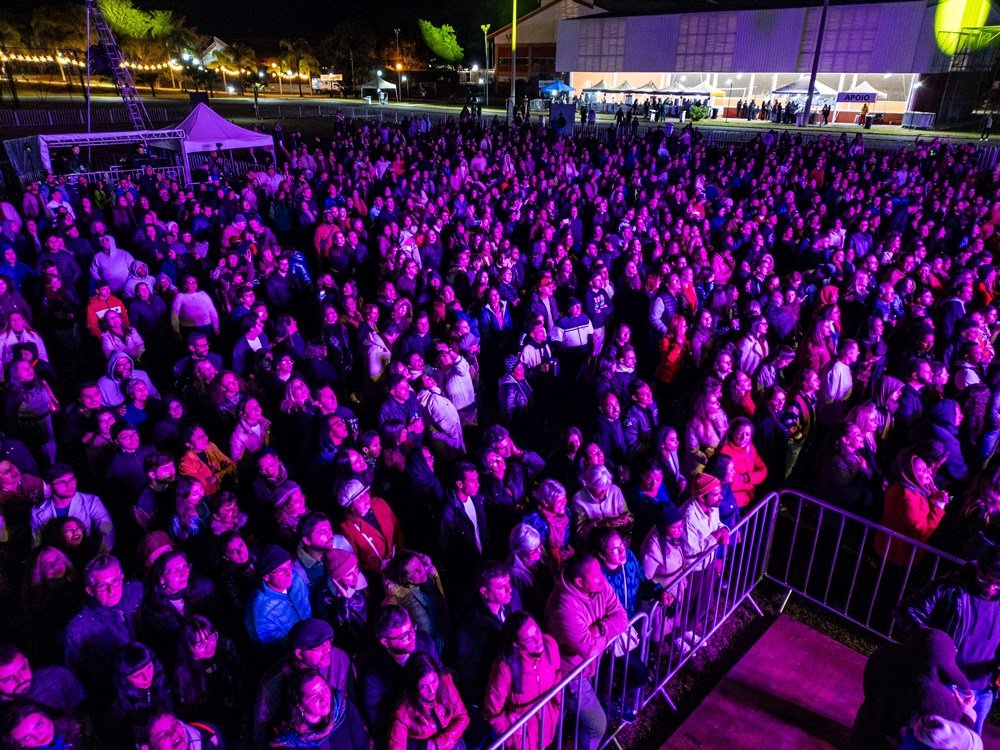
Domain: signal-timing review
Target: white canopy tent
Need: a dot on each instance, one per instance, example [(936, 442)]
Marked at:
[(205, 130), (801, 88), (866, 88)]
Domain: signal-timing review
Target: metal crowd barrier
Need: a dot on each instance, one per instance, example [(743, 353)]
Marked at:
[(813, 549), (707, 590), (828, 557)]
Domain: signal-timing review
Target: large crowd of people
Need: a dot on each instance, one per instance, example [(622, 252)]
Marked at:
[(369, 447)]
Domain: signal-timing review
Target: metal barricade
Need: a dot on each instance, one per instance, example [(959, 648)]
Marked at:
[(840, 561), (707, 591)]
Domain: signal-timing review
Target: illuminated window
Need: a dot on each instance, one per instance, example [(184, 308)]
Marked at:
[(848, 39), (602, 45), (705, 41)]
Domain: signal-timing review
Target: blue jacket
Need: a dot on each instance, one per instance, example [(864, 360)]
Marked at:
[(96, 635), (270, 614), (630, 585)]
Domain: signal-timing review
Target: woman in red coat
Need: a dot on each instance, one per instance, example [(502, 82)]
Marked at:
[(431, 708), (750, 468), (913, 507), (526, 669)]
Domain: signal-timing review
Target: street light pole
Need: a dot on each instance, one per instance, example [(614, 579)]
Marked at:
[(486, 49), (513, 61), (815, 67)]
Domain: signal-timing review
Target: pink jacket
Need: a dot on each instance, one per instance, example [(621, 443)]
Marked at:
[(572, 618), (750, 472), (505, 704), (445, 727)]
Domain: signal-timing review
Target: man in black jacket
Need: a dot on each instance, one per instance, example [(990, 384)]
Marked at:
[(965, 605), (380, 672), (464, 530)]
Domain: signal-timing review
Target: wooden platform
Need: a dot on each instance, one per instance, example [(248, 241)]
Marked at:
[(796, 689)]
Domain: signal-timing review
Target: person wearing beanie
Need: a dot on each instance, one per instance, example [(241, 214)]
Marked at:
[(280, 601), (703, 532), (342, 600), (370, 526)]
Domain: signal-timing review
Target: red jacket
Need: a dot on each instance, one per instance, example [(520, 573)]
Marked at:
[(448, 713), (911, 513), (372, 545), (572, 618), (750, 471)]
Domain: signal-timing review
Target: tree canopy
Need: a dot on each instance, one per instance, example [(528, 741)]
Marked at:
[(441, 40)]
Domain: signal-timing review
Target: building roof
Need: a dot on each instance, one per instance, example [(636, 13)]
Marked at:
[(589, 4), (665, 7)]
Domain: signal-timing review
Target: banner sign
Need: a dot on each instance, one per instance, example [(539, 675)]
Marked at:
[(857, 97)]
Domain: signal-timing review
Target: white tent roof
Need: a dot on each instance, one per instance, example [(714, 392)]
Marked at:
[(704, 88), (381, 84), (208, 131), (801, 88), (866, 88)]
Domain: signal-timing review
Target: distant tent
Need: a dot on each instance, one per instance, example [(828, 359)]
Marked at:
[(677, 89), (866, 88), (801, 88), (380, 84), (625, 88), (556, 87), (705, 89), (598, 88), (648, 88)]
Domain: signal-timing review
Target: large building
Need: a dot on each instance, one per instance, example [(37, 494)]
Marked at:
[(924, 55), (537, 31)]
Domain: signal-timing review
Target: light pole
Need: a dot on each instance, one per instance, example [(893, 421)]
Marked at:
[(513, 60), (815, 67), (729, 92), (399, 79), (486, 48), (399, 65)]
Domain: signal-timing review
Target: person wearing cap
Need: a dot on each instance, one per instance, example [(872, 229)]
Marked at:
[(516, 398), (341, 599), (703, 532), (543, 303), (966, 605), (573, 333), (663, 558), (310, 647), (370, 526), (65, 500), (280, 601), (158, 497), (232, 233)]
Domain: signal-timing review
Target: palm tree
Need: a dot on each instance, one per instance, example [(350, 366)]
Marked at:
[(299, 56), (238, 57)]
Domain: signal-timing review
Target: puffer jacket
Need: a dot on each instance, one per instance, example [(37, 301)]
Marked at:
[(581, 624), (942, 604), (270, 615), (506, 702), (445, 721), (630, 583)]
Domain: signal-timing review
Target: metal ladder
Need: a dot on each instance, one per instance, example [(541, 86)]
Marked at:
[(122, 75)]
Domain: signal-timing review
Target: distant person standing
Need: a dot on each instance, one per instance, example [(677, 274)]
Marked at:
[(987, 126)]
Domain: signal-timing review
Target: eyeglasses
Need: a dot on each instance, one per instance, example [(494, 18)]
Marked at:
[(208, 640), (410, 632), (109, 585)]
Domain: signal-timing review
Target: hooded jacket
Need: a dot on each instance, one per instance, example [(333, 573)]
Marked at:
[(112, 265), (136, 277), (113, 388)]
